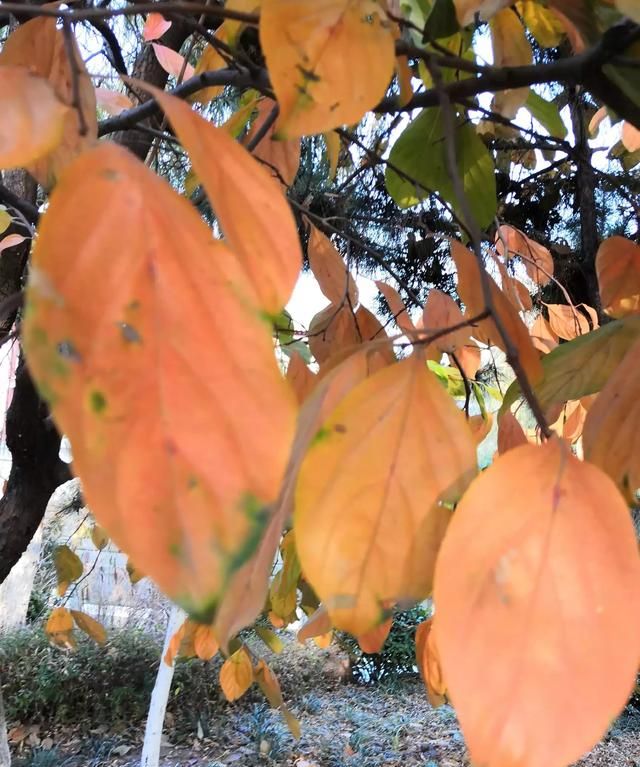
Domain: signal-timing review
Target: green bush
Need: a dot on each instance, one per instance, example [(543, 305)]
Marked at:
[(398, 656)]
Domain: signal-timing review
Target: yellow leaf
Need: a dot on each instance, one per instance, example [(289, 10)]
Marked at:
[(90, 626), (367, 520), (537, 580), (510, 49), (236, 674), (60, 621), (205, 643), (272, 640), (5, 217), (618, 270), (330, 270), (119, 370), (333, 144), (249, 204), (611, 438), (629, 8), (467, 9), (68, 566), (541, 22), (99, 538), (268, 683), (330, 61), (209, 61), (135, 575), (39, 45), (470, 290), (33, 118), (280, 158), (182, 643)]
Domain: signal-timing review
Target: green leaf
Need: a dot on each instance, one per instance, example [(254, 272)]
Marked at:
[(547, 114), (272, 640), (299, 347), (442, 21), (581, 366), (283, 327), (420, 153)]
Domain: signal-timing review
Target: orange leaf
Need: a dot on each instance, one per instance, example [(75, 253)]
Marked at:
[(618, 269), (155, 26), (397, 306), (441, 312), (470, 290), (33, 118), (542, 335), (630, 137), (249, 204), (323, 641), (205, 643), (39, 45), (537, 259), (373, 640), (11, 240), (330, 271), (300, 377), (570, 421), (282, 158), (317, 625), (119, 369), (90, 626), (469, 356), (393, 447), (480, 426), (112, 102), (332, 330), (510, 433), (236, 675), (310, 45), (268, 683), (60, 621), (537, 580), (566, 321), (209, 61), (429, 663), (172, 62), (181, 643), (611, 438), (511, 48)]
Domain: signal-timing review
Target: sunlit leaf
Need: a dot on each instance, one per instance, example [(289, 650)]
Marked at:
[(318, 624), (618, 270), (330, 270), (566, 321), (99, 538), (90, 626), (611, 437), (249, 205), (442, 312), (373, 640), (394, 447), (542, 335), (33, 118), (205, 642), (510, 49), (155, 26), (117, 371), (510, 432), (300, 377), (429, 663), (281, 158), (272, 640), (59, 621), (537, 580), (236, 674), (310, 45), (68, 566), (537, 259), (467, 9)]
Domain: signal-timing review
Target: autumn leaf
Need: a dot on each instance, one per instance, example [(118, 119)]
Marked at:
[(333, 330), (467, 9), (318, 624), (112, 102), (373, 640), (99, 538), (537, 259), (566, 321), (155, 26), (39, 45), (33, 118), (68, 566), (510, 432), (205, 643), (471, 292), (268, 683), (537, 579), (90, 626), (310, 46), (119, 369), (510, 49), (442, 312), (366, 516), (11, 240), (60, 621), (429, 663), (172, 62), (612, 426), (543, 336), (210, 60), (249, 204), (397, 307), (236, 675), (618, 270), (272, 640), (281, 158), (329, 269)]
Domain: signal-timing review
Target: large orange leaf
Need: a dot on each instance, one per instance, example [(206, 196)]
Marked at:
[(180, 428), (429, 663), (248, 202), (332, 330), (282, 158), (330, 61), (236, 674), (611, 437), (537, 596), (367, 521), (33, 117), (566, 321), (470, 290), (442, 312), (537, 259), (39, 45), (618, 269)]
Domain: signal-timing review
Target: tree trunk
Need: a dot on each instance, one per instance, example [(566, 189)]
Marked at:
[(5, 756), (159, 697)]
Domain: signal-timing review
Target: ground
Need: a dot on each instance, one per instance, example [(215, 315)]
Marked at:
[(343, 725)]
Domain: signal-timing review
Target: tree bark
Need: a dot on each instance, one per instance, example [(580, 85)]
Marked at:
[(159, 697)]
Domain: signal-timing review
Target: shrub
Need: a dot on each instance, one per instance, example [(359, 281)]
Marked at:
[(397, 657)]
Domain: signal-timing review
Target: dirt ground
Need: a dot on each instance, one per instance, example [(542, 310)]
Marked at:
[(343, 725)]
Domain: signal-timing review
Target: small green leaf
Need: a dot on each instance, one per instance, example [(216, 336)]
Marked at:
[(272, 640), (547, 114)]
